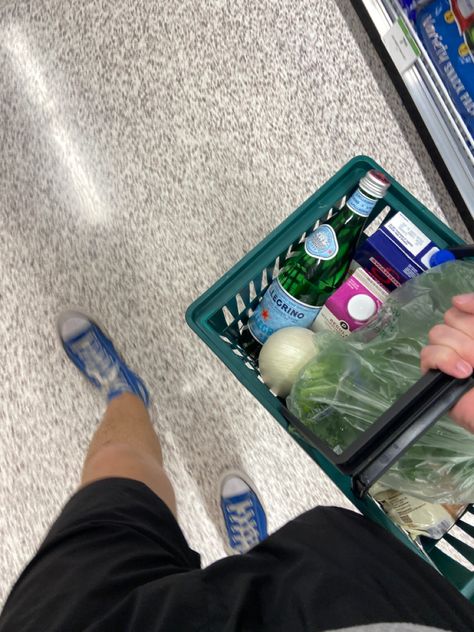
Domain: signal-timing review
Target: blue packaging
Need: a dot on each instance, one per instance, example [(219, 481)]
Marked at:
[(413, 6), (446, 29), (396, 252)]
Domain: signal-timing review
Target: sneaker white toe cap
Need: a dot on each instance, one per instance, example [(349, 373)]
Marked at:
[(234, 486), (71, 324)]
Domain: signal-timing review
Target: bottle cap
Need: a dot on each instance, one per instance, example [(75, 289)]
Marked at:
[(375, 183), (361, 307), (441, 257)]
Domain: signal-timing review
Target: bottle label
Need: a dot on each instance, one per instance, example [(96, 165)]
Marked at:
[(322, 243), (277, 310), (361, 204)]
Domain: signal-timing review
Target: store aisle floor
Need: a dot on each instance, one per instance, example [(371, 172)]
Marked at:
[(145, 147)]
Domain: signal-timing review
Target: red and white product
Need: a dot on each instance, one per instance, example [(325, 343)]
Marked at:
[(351, 305)]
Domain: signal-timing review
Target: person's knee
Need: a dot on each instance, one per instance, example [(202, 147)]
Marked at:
[(121, 460), (112, 454), (116, 459)]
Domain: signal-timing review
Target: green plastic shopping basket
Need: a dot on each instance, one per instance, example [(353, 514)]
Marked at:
[(220, 313)]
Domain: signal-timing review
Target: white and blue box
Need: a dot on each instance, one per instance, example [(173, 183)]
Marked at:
[(396, 252)]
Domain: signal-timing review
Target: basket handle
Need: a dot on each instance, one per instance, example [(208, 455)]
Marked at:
[(462, 252), (390, 436), (421, 406)]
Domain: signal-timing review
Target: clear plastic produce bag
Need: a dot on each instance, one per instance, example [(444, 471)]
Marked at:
[(353, 380)]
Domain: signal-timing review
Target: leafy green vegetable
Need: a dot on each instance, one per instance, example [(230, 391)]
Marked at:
[(353, 380)]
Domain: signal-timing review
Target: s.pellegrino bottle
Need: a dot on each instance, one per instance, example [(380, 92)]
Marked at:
[(296, 296)]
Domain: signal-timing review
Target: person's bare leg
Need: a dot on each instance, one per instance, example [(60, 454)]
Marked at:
[(126, 445)]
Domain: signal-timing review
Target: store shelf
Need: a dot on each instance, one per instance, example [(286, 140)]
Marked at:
[(433, 104)]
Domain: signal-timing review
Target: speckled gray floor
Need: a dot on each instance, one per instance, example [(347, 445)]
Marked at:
[(145, 147)]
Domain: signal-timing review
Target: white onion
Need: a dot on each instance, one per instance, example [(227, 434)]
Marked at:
[(284, 355)]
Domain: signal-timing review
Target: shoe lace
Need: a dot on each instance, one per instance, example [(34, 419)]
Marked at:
[(98, 364), (243, 525)]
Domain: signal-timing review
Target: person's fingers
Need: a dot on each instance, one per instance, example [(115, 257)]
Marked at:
[(445, 359), (464, 302), (449, 361), (451, 350), (458, 341), (462, 321)]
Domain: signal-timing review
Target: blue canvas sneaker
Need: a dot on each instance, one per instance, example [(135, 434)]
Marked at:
[(96, 357), (244, 515)]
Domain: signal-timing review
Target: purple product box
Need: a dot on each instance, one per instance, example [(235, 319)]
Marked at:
[(396, 252), (357, 300)]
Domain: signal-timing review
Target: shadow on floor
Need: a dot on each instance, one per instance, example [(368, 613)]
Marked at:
[(209, 451)]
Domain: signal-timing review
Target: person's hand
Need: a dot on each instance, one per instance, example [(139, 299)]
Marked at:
[(451, 350)]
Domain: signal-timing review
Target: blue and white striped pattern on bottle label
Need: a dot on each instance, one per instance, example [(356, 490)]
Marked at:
[(278, 310), (322, 243), (361, 204)]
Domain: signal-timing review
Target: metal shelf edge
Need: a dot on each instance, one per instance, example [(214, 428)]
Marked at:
[(446, 138)]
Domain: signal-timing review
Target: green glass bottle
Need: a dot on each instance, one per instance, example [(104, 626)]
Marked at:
[(317, 268)]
